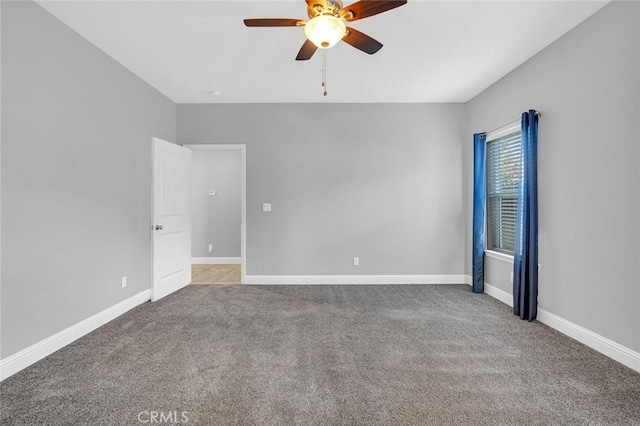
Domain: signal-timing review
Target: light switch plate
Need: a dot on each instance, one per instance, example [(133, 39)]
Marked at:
[(212, 192), (266, 207)]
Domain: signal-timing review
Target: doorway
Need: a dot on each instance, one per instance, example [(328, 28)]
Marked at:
[(218, 213)]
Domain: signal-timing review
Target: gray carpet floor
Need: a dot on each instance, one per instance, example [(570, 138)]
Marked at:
[(324, 355)]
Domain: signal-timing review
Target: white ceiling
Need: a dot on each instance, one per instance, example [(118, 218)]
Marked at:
[(434, 51)]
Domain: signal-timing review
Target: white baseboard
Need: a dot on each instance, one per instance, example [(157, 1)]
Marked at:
[(607, 347), (216, 260), (20, 360), (498, 293), (595, 341), (353, 279)]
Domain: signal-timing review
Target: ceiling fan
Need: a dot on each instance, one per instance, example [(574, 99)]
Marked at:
[(327, 24)]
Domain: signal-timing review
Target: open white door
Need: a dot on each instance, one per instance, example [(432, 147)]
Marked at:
[(171, 218)]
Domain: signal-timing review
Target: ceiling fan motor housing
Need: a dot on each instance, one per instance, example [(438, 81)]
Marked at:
[(330, 7)]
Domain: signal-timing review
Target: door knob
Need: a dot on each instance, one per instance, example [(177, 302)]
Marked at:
[(158, 227)]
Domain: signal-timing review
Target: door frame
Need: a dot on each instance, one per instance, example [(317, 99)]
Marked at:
[(243, 194)]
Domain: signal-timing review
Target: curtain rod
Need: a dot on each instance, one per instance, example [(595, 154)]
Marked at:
[(538, 114)]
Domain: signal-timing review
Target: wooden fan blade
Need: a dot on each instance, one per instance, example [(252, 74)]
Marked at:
[(362, 41), (365, 8), (306, 51), (274, 22)]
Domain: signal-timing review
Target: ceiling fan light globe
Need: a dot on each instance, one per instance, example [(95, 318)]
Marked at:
[(325, 31)]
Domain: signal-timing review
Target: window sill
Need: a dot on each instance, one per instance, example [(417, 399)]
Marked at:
[(499, 256)]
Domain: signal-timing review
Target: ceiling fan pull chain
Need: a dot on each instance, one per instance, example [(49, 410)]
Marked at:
[(324, 71)]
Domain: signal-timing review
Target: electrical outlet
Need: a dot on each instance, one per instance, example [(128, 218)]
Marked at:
[(266, 207), (124, 282), (212, 192), (210, 248), (356, 261)]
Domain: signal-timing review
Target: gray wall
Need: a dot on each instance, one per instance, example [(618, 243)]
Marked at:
[(76, 169), (586, 85), (382, 182), (215, 219)]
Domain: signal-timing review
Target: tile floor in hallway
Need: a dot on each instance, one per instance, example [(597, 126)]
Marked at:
[(215, 274)]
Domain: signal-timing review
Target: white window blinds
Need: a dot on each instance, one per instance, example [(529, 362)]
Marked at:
[(503, 175)]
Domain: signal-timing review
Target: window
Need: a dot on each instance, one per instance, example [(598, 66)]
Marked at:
[(503, 175)]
